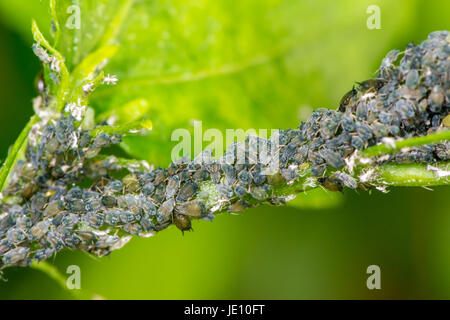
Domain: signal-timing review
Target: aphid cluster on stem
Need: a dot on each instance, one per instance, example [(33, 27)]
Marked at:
[(65, 194)]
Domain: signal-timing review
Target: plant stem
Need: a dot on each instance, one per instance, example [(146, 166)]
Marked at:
[(407, 143), (413, 174)]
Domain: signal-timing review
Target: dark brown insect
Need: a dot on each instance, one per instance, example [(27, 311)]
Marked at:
[(182, 222), (331, 183), (367, 85), (346, 99)]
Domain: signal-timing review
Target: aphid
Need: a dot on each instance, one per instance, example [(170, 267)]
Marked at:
[(244, 177), (29, 190), (277, 201), (316, 143), (184, 175), (240, 191), (435, 120), (289, 174), (94, 220), (390, 58), (40, 229), (74, 193), (148, 189), (54, 240), (147, 224), (347, 123), (364, 131), (187, 191), (238, 206), (404, 109), (166, 208), (14, 256), (412, 79), (76, 205), (86, 236), (182, 222), (172, 187), (131, 183), (379, 130), (230, 173), (436, 99), (331, 183), (24, 222), (93, 205), (361, 111), (259, 178), (357, 142), (194, 208), (275, 178), (71, 240), (16, 235), (287, 153), (102, 141), (332, 158), (38, 201), (43, 254), (301, 154), (53, 208), (385, 117), (112, 217), (315, 157), (214, 171), (160, 176), (132, 228), (201, 175), (70, 220), (394, 130), (160, 193), (224, 191), (318, 170), (259, 192), (126, 217), (370, 84), (115, 138), (149, 208), (107, 241), (346, 180), (114, 186), (132, 202), (446, 121), (41, 53), (109, 201), (5, 245)]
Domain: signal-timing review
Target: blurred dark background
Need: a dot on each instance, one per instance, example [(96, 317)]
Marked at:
[(319, 250)]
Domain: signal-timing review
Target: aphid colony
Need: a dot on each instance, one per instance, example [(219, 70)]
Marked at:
[(65, 195)]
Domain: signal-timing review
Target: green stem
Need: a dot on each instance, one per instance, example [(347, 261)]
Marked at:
[(407, 143), (413, 174)]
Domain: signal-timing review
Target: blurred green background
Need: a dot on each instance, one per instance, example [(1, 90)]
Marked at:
[(262, 64)]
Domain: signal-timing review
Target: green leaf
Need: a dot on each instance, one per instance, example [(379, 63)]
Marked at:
[(245, 64), (231, 65)]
